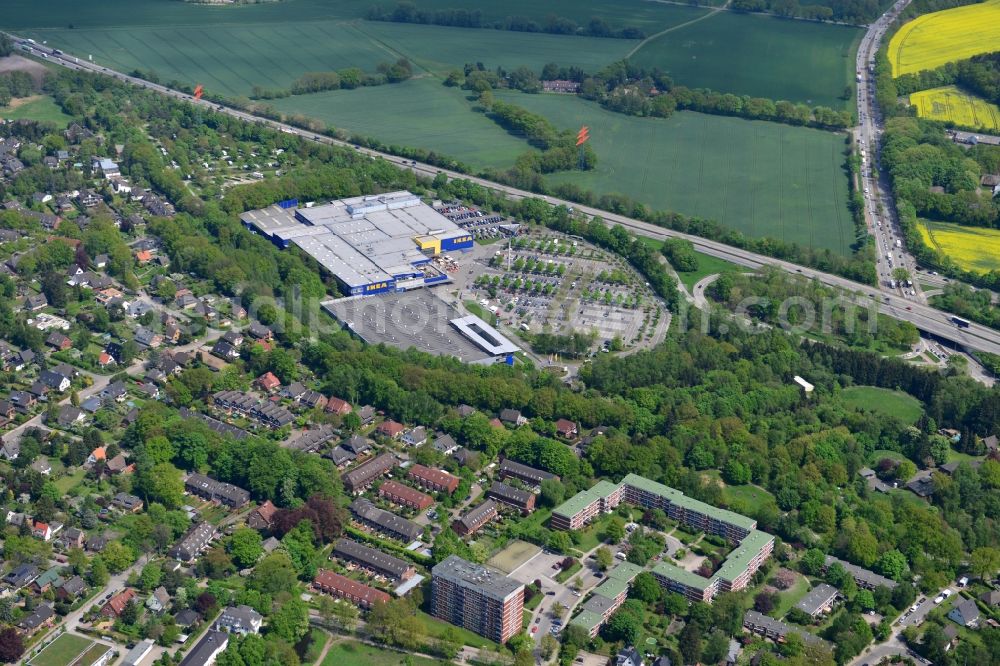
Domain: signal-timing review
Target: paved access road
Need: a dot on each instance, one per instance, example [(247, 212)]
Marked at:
[(925, 318)]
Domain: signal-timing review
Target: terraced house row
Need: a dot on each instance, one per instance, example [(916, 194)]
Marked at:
[(252, 407), (753, 547)]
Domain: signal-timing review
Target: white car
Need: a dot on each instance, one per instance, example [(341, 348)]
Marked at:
[(939, 598)]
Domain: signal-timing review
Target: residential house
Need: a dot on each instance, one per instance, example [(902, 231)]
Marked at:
[(69, 416), (294, 391), (343, 587), (10, 450), (522, 500), (207, 649), (54, 380), (390, 429), (21, 575), (566, 429), (260, 331), (42, 466), (224, 350), (72, 538), (475, 519), (127, 503), (338, 406), (313, 400), (193, 542), (262, 517), (116, 605), (241, 620), (965, 613), (47, 581), (268, 382), (42, 616), (512, 417), (148, 338), (445, 444), (71, 589), (216, 491), (356, 444), (158, 600), (35, 302), (415, 436), (628, 656)]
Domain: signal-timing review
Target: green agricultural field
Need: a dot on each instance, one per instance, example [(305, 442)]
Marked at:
[(41, 108), (419, 113), (21, 14), (892, 403), (62, 651), (764, 179), (230, 49), (763, 56)]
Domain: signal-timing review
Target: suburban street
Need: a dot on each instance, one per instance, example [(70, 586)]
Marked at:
[(99, 384), (927, 319)]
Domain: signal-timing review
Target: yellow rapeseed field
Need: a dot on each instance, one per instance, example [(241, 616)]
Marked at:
[(950, 104), (972, 248), (931, 40)]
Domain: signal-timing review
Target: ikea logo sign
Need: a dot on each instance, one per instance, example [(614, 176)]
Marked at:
[(376, 286), (463, 239)]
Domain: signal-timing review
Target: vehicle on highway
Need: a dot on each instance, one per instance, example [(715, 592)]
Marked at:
[(961, 323)]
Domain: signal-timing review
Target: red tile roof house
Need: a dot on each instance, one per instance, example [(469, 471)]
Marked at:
[(390, 429), (434, 479), (268, 382), (566, 429), (104, 360), (397, 493), (116, 604), (262, 517), (345, 588), (144, 256), (338, 406)]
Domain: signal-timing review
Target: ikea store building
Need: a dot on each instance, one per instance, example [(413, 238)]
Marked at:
[(370, 244)]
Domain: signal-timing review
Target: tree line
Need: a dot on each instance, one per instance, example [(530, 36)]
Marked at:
[(407, 12), (347, 79)]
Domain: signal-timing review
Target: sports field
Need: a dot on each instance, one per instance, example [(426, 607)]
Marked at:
[(904, 407), (62, 651), (931, 40), (757, 55), (950, 104), (514, 555), (764, 179), (971, 248)]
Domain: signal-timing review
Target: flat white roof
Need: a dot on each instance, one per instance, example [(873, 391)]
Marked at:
[(484, 336), (361, 240)]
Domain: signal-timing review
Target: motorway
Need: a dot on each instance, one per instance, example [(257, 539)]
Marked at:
[(880, 210), (892, 303)]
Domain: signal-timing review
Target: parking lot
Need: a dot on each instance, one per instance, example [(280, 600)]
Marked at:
[(542, 282)]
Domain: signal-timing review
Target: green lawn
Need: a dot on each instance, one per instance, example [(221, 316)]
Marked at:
[(564, 576), (790, 597), (481, 312), (42, 108), (62, 651), (67, 482), (758, 55), (900, 405), (750, 496), (436, 627), (879, 454), (763, 179), (707, 265), (352, 653)]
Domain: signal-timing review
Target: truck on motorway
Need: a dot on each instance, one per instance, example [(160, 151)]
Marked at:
[(961, 323)]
